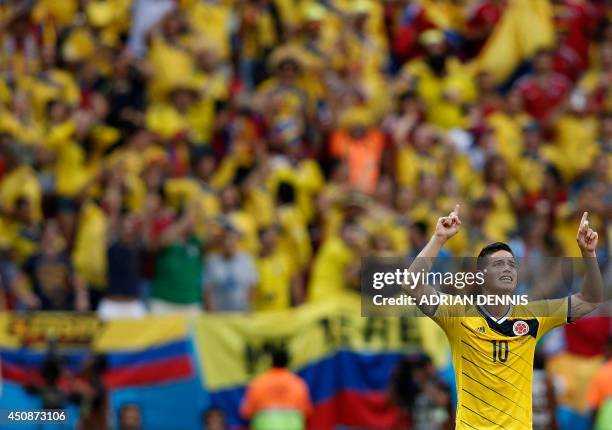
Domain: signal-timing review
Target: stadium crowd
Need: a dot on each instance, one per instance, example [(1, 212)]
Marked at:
[(243, 155)]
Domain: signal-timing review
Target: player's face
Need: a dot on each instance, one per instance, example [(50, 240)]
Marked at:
[(501, 273)]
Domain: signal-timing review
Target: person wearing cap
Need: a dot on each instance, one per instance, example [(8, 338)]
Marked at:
[(284, 92), (185, 110)]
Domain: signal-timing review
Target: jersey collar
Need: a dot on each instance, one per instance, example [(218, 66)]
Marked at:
[(486, 313)]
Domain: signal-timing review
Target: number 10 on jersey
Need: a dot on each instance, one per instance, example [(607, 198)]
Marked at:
[(500, 350)]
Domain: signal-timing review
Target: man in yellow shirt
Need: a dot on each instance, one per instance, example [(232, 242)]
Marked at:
[(278, 284), (493, 345), (336, 266)]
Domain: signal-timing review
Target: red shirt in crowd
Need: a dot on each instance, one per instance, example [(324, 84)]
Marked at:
[(588, 336), (541, 96)]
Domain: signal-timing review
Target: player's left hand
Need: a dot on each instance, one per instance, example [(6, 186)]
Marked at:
[(586, 237)]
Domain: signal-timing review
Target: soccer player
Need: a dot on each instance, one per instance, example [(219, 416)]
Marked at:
[(493, 346)]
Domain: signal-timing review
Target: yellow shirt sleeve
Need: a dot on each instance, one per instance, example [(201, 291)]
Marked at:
[(550, 313)]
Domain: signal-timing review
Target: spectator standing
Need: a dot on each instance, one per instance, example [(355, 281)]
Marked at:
[(230, 276), (177, 278), (124, 253), (277, 399), (278, 284), (55, 285)]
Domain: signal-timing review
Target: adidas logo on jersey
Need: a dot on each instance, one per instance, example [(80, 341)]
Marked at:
[(481, 329)]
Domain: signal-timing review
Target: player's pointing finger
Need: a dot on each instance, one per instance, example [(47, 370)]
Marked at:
[(585, 216)]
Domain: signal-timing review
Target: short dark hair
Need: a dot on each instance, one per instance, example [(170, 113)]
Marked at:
[(213, 410), (420, 226), (285, 194), (494, 247), (280, 357), (491, 249)]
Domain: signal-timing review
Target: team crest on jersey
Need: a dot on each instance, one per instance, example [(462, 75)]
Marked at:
[(520, 328), (481, 329)]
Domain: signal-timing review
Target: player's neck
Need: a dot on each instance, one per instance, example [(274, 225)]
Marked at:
[(497, 311)]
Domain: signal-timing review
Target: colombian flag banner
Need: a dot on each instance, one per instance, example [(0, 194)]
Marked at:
[(346, 360), (174, 368), (150, 363)]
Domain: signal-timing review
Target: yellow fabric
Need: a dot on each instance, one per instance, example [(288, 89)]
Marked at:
[(510, 38), (274, 289), (495, 368), (187, 191), (242, 221), (21, 182), (89, 254), (295, 240), (222, 339), (23, 247), (444, 14), (434, 90), (576, 144), (170, 65), (501, 221), (328, 277), (258, 35), (509, 134), (574, 372), (63, 12), (139, 334), (27, 133), (410, 165), (212, 22), (167, 121), (259, 204)]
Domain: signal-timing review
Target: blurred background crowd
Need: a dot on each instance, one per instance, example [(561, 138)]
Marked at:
[(243, 155)]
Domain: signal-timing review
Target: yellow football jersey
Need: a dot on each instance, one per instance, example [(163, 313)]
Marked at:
[(493, 360)]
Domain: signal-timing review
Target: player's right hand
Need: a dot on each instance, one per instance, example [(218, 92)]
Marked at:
[(448, 226)]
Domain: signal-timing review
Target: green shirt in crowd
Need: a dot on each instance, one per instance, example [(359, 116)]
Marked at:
[(178, 272)]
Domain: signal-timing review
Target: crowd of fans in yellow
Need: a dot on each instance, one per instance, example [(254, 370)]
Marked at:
[(256, 149)]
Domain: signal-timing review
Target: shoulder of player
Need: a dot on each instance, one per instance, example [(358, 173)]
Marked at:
[(540, 308)]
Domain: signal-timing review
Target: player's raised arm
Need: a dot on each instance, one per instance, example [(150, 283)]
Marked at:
[(592, 293), (446, 228)]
